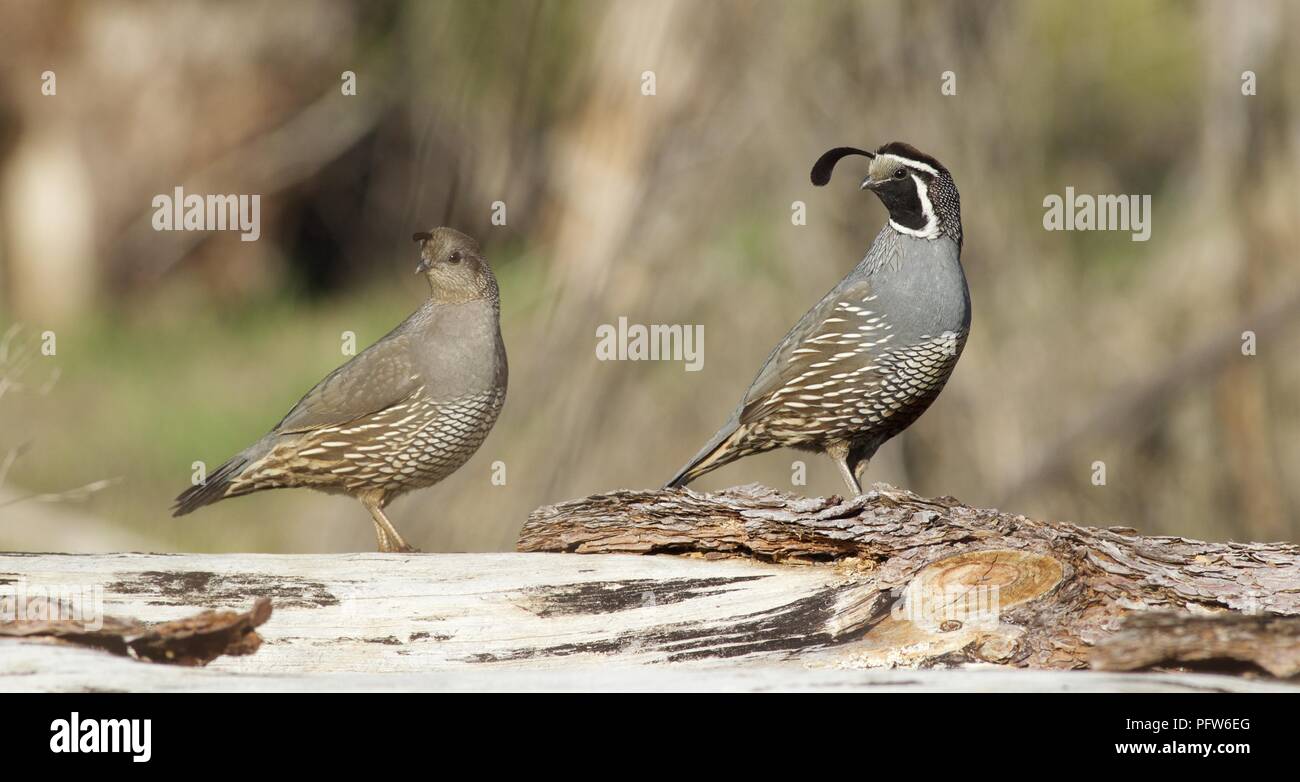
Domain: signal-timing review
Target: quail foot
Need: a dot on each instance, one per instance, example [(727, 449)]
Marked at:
[(872, 355), (403, 414)]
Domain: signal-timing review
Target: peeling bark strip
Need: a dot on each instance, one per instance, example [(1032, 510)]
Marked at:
[(195, 640), (1058, 588), (1218, 642)]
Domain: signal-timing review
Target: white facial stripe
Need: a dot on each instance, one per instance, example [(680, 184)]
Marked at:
[(918, 165), (927, 209), (931, 227)]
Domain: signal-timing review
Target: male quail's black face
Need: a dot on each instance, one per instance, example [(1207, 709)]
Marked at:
[(902, 188), (917, 190), (921, 195)]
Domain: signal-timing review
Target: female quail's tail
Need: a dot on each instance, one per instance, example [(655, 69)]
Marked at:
[(216, 487)]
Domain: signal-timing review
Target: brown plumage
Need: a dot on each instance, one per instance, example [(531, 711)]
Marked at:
[(403, 414)]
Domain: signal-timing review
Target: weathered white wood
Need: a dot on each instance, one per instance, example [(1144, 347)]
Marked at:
[(372, 613), (31, 667)]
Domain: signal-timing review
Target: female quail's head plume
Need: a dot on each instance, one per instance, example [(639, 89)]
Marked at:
[(403, 414), (874, 353)]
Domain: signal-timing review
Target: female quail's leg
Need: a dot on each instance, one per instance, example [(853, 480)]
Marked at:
[(381, 536), (388, 537)]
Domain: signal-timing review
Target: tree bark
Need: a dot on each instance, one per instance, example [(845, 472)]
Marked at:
[(962, 584)]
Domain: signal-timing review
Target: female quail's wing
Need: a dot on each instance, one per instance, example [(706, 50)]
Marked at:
[(375, 379)]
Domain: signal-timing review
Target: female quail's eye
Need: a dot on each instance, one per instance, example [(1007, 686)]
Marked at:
[(900, 173), (455, 257)]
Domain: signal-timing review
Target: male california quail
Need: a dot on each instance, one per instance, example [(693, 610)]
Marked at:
[(864, 363), (403, 414)]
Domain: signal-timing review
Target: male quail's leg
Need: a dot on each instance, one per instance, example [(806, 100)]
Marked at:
[(850, 479), (859, 470), (389, 539), (840, 453)]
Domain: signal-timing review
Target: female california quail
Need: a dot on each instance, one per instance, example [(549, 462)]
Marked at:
[(864, 363), (403, 414)]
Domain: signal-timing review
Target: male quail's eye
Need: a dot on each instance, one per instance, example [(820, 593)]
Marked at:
[(900, 173)]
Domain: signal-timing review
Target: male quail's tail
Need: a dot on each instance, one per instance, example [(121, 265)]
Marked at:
[(712, 456)]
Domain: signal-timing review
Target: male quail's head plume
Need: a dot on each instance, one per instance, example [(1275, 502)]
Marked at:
[(870, 357), (403, 414)]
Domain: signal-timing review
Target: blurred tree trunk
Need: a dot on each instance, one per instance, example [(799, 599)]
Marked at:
[(603, 158), (48, 216), (602, 154), (48, 200), (1231, 165)]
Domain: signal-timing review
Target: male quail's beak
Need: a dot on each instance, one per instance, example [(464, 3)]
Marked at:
[(868, 184)]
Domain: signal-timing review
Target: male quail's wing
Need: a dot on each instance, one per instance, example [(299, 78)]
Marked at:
[(377, 378), (831, 339)]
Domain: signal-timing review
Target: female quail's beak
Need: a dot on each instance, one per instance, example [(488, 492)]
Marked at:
[(421, 238)]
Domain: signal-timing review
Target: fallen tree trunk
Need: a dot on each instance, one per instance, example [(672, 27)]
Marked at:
[(770, 592), (963, 584)]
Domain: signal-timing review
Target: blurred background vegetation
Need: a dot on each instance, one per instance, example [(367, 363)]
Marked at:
[(671, 208)]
